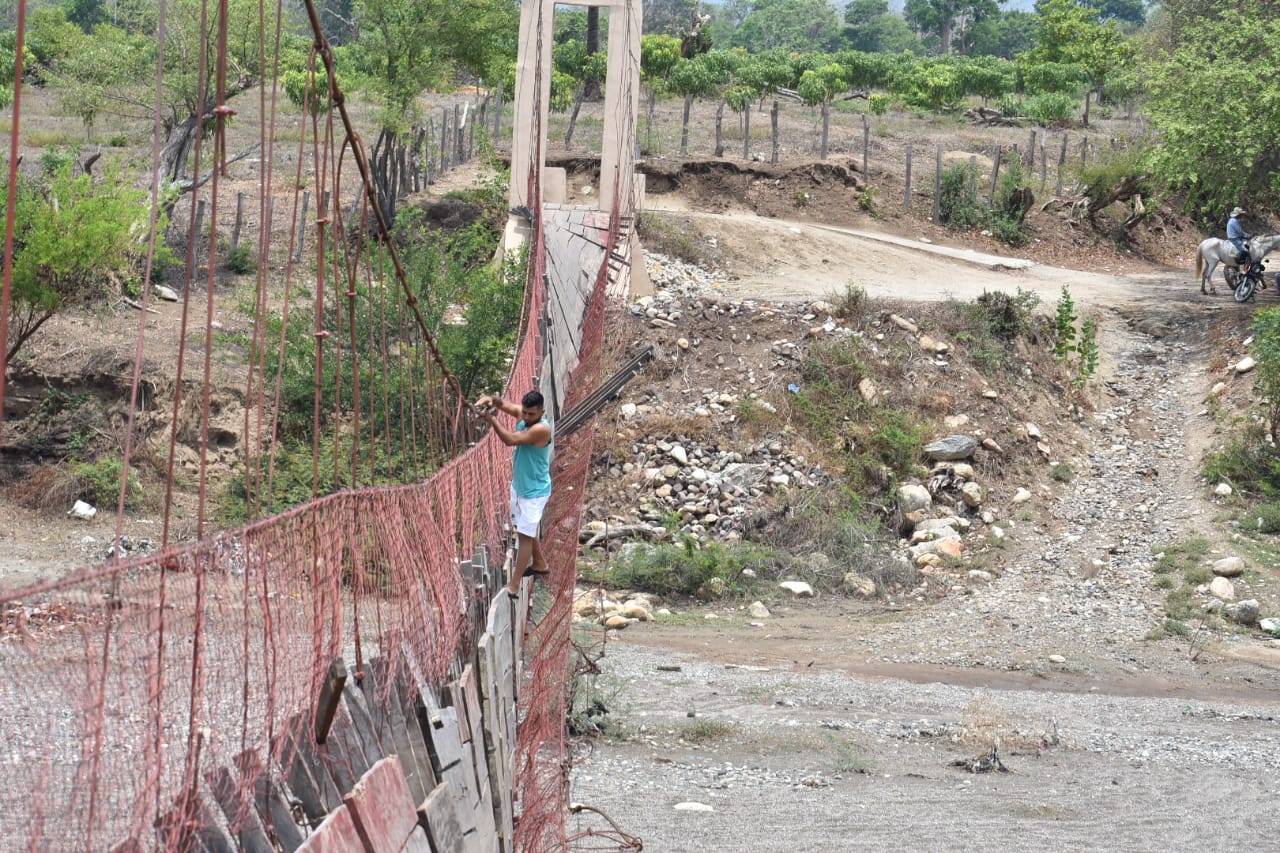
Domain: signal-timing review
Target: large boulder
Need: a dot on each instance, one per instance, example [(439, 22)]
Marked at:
[(950, 448)]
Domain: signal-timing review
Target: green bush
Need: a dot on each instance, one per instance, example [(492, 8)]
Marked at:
[(688, 569), (101, 483), (1007, 208), (242, 259), (878, 103), (1249, 462), (1049, 109), (1266, 351), (959, 204)]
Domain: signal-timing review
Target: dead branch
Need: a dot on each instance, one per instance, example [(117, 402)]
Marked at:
[(593, 539)]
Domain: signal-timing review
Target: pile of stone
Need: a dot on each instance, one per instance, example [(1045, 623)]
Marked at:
[(680, 277), (706, 491), (598, 607)]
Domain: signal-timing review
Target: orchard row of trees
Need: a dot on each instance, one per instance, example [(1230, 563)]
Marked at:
[(1196, 68)]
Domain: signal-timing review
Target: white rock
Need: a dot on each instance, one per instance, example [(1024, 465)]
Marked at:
[(1217, 389), (997, 532), (904, 324), (168, 294), (1245, 612), (798, 588), (692, 807), (1057, 659), (1222, 588), (912, 497), (1033, 431), (1222, 489), (80, 509), (682, 343), (1271, 624), (1229, 567), (1245, 364), (868, 390), (1021, 496), (972, 494), (981, 575), (859, 585), (757, 610), (679, 454)]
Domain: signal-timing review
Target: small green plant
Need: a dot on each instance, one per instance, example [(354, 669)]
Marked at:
[(1087, 350), (867, 198), (852, 302), (101, 482), (1064, 324), (878, 103), (241, 259), (1009, 207), (801, 198), (1061, 472)]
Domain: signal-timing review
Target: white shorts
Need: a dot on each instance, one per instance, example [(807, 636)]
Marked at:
[(526, 513)]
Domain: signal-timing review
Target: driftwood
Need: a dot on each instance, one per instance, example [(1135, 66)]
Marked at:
[(127, 301), (988, 117), (590, 539)]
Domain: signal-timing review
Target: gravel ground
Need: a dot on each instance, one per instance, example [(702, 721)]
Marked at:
[(829, 730), (797, 761)]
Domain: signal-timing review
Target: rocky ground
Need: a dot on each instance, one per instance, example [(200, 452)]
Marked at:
[(1048, 634)]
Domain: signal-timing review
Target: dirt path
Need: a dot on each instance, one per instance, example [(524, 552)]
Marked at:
[(840, 721)]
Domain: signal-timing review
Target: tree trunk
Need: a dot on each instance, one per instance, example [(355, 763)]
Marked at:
[(1086, 107), (592, 92), (773, 132), (573, 116), (684, 126), (746, 132)]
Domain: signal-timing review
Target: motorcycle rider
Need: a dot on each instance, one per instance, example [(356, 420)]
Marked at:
[(1236, 234)]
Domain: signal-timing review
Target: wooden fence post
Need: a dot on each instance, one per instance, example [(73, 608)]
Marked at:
[(995, 170), (1031, 155), (1044, 166), (1084, 153), (458, 154), (746, 132), (866, 141), (937, 185), (302, 227), (497, 115), (720, 129), (199, 227), (444, 140), (1062, 161), (973, 175), (427, 154), (906, 195), (235, 229), (773, 124)]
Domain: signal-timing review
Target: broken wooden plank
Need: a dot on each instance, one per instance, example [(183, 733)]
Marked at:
[(336, 835), (438, 815), (382, 808), (274, 809), (242, 818)]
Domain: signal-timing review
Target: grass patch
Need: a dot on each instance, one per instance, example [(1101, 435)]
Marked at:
[(1061, 472), (705, 731), (690, 569), (674, 237), (847, 758)]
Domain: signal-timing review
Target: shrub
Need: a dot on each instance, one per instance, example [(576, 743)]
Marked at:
[(687, 568), (242, 259), (1249, 462), (1009, 207), (959, 203), (100, 483), (1049, 109), (878, 103), (1266, 351)]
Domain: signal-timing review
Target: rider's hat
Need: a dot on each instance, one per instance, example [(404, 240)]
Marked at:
[(1236, 211)]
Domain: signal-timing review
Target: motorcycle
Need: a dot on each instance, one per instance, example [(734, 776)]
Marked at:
[(1247, 280)]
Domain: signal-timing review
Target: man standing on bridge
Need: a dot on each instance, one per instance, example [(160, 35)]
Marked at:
[(530, 476)]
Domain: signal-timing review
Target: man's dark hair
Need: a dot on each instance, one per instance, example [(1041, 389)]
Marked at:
[(532, 400)]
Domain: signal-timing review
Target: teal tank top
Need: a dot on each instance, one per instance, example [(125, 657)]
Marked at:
[(531, 467)]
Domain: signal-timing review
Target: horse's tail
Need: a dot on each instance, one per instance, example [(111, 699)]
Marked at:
[(1199, 265)]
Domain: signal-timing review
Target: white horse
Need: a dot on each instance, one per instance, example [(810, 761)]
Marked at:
[(1214, 251)]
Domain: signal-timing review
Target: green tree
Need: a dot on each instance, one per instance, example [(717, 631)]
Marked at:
[(797, 26), (1208, 101), (871, 27), (817, 88), (76, 240), (1070, 34), (1006, 34), (948, 20), (690, 79), (658, 56)]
